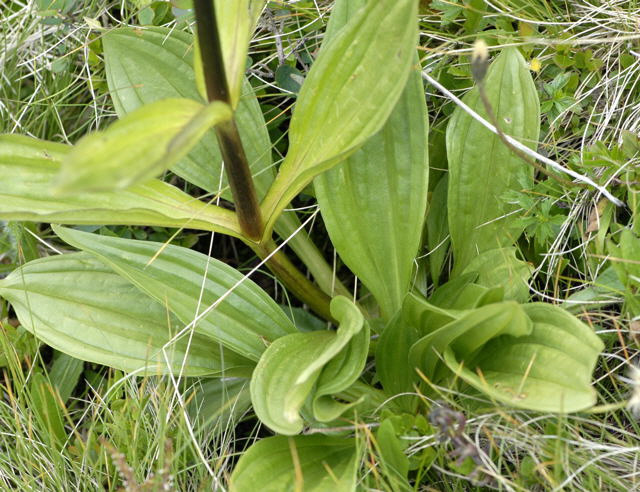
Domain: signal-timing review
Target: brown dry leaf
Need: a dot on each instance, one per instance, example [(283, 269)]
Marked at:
[(594, 216)]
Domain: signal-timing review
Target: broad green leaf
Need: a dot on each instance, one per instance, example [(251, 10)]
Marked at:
[(534, 356), (310, 463), (466, 335), (341, 13), (374, 203), (240, 315), (291, 366), (463, 293), (428, 316), (236, 22), (481, 168), (606, 289), (79, 306), (347, 95), (395, 363), (626, 257), (30, 167), (340, 373), (144, 66), (139, 146), (500, 268), (548, 370)]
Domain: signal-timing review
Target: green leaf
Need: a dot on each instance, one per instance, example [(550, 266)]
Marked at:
[(468, 333), (548, 370), (392, 457), (16, 345), (144, 66), (500, 268), (347, 95), (291, 366), (428, 316), (310, 463), (240, 315), (481, 168), (139, 146), (47, 410), (605, 290), (535, 356), (236, 22), (341, 13), (393, 366), (384, 183), (79, 306), (437, 229), (462, 293), (289, 78), (626, 257), (30, 167), (625, 260), (340, 373), (65, 374)]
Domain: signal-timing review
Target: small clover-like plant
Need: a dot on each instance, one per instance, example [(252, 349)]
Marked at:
[(358, 133)]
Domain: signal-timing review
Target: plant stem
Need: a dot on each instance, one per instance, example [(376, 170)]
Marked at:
[(300, 242), (294, 280), (233, 155), (240, 180), (237, 168)]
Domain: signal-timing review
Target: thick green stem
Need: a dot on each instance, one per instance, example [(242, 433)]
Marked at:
[(235, 159), (294, 280)]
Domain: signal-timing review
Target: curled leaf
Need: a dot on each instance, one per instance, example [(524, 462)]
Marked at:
[(292, 365), (535, 356)]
